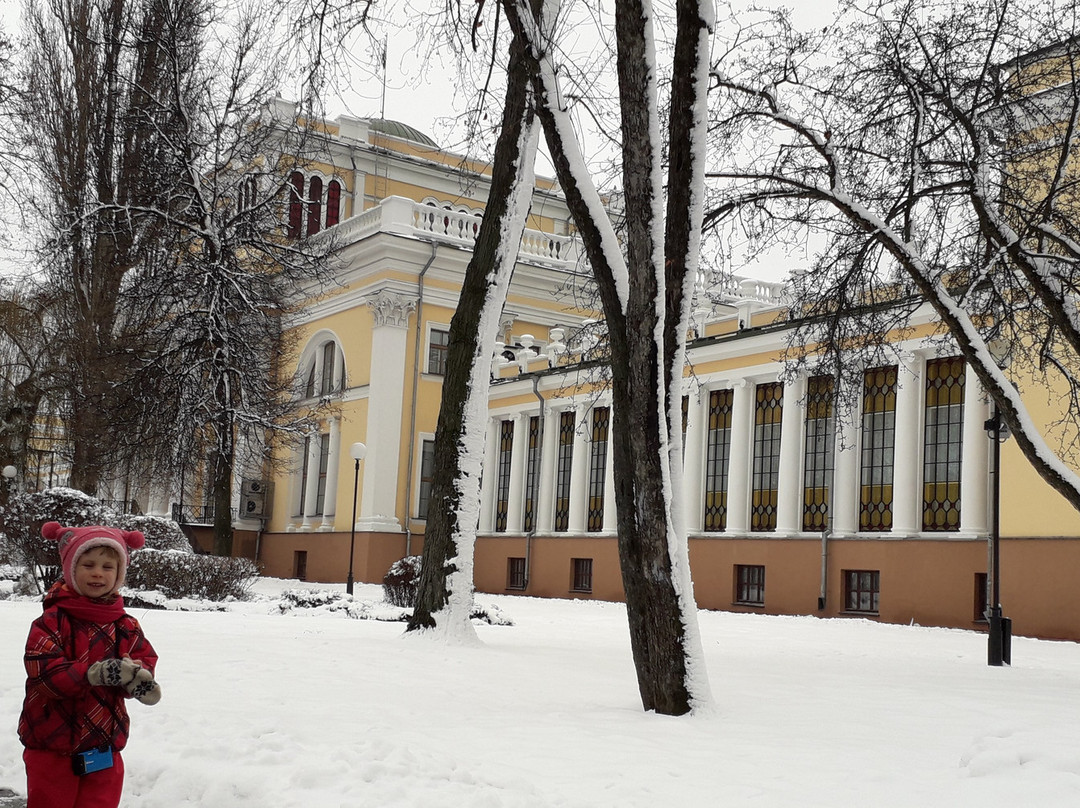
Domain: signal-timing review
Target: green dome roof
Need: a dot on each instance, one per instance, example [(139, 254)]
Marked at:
[(400, 130)]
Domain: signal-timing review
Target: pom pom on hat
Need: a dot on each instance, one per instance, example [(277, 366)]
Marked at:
[(74, 541)]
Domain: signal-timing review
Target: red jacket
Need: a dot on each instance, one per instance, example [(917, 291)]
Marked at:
[(62, 712)]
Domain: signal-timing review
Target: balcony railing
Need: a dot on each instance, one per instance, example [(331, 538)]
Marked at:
[(403, 216)]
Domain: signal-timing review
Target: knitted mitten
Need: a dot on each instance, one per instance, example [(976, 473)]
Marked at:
[(144, 688), (128, 674), (114, 672)]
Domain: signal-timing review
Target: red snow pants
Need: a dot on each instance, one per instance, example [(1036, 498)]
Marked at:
[(50, 782)]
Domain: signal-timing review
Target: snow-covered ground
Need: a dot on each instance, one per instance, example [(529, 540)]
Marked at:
[(316, 710)]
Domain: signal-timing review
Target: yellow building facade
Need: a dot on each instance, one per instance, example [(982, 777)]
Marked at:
[(892, 527)]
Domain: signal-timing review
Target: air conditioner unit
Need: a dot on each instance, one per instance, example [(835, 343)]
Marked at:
[(255, 499)]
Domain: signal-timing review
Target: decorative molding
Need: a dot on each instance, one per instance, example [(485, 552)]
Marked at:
[(391, 309)]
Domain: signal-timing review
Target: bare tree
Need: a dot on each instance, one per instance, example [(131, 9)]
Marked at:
[(92, 164), (930, 144), (444, 594), (645, 294), (237, 273)]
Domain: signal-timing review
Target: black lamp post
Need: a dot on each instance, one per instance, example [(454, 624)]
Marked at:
[(999, 642), (357, 452)]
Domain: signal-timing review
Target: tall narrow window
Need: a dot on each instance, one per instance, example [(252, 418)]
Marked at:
[(818, 454), (329, 357), (768, 413), (296, 205), (943, 443), (438, 351), (878, 442), (532, 475), (427, 472), (314, 208), (685, 421), (515, 573), (333, 203), (597, 468), (562, 470), (304, 471), (324, 464), (502, 496), (716, 462)]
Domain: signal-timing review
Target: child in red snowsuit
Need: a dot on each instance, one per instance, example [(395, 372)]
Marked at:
[(84, 657)]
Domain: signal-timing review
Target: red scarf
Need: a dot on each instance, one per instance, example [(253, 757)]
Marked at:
[(92, 610)]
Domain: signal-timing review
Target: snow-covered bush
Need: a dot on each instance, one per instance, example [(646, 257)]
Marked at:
[(161, 533), (21, 520), (178, 574), (400, 582)]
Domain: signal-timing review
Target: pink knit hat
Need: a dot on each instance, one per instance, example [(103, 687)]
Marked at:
[(74, 541)]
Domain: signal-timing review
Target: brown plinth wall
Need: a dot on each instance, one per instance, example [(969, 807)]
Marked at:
[(327, 555), (926, 581)]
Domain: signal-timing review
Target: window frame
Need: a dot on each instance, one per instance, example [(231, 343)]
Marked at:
[(439, 352), (866, 582), (878, 449), (504, 472), (581, 575), (533, 458), (943, 443), (564, 462), (718, 458), (516, 577), (749, 584), (819, 453), (765, 472), (598, 449), (425, 474)]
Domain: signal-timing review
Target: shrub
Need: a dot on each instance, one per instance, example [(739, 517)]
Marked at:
[(177, 574), (161, 533), (400, 582), (21, 522)]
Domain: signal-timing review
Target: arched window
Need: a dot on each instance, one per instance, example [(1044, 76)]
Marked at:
[(314, 213), (296, 205), (323, 369), (333, 203)]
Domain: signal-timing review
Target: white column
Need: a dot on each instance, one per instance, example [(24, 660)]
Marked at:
[(789, 501), (844, 497), (740, 469), (974, 459), (579, 469), (697, 419), (545, 501), (518, 471), (332, 469), (311, 490), (907, 513), (490, 482), (611, 520), (386, 396)]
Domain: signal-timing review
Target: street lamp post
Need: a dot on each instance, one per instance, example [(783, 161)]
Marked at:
[(357, 452), (999, 641)]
